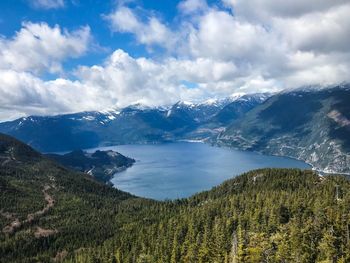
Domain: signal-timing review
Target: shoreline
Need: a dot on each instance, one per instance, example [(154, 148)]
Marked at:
[(204, 141), (313, 168)]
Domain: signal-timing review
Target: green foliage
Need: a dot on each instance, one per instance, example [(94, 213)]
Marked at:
[(268, 215), (101, 164)]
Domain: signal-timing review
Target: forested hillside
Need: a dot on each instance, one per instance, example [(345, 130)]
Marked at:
[(100, 164), (50, 214), (46, 209), (270, 215)]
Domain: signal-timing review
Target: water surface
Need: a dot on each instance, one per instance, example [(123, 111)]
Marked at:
[(175, 170)]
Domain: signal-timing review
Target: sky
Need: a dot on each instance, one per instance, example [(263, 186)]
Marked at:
[(63, 56)]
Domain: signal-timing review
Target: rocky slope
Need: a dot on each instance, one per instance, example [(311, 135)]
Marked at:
[(309, 124), (232, 111)]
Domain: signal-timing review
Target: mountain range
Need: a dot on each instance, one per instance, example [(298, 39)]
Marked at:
[(311, 124), (133, 124)]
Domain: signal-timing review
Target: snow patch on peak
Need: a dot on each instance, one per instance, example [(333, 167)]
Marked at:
[(109, 111), (89, 118), (211, 102), (111, 117), (138, 106), (236, 96), (187, 103)]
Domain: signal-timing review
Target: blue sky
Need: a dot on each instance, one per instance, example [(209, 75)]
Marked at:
[(79, 13), (60, 56)]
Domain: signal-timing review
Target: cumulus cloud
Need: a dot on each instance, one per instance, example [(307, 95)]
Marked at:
[(282, 43), (47, 4), (318, 32), (127, 80), (219, 35), (23, 93), (120, 81), (277, 46), (192, 6), (149, 31), (39, 47), (222, 51), (264, 10)]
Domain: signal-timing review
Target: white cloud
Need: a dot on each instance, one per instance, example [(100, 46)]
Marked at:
[(47, 4), (318, 32), (307, 48), (39, 47), (23, 94), (264, 10), (192, 6), (220, 35), (275, 44), (127, 80), (150, 31), (222, 51), (122, 80)]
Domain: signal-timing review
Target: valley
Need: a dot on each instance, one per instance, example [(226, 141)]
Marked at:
[(260, 215), (50, 213), (178, 170), (186, 131), (317, 132)]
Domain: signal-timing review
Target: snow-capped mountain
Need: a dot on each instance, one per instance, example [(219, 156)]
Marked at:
[(133, 124), (309, 124), (231, 109)]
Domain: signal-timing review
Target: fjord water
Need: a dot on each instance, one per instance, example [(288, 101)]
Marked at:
[(176, 170)]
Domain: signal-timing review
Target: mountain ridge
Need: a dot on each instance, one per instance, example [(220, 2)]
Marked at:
[(302, 124), (309, 124), (128, 125)]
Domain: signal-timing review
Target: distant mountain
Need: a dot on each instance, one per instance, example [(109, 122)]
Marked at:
[(217, 122), (57, 133), (198, 112), (238, 108), (100, 164), (89, 129), (133, 124), (309, 124)]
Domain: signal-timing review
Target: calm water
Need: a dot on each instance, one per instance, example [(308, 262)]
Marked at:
[(174, 170)]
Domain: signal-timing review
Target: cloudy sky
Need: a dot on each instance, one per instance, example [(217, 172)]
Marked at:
[(60, 56)]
